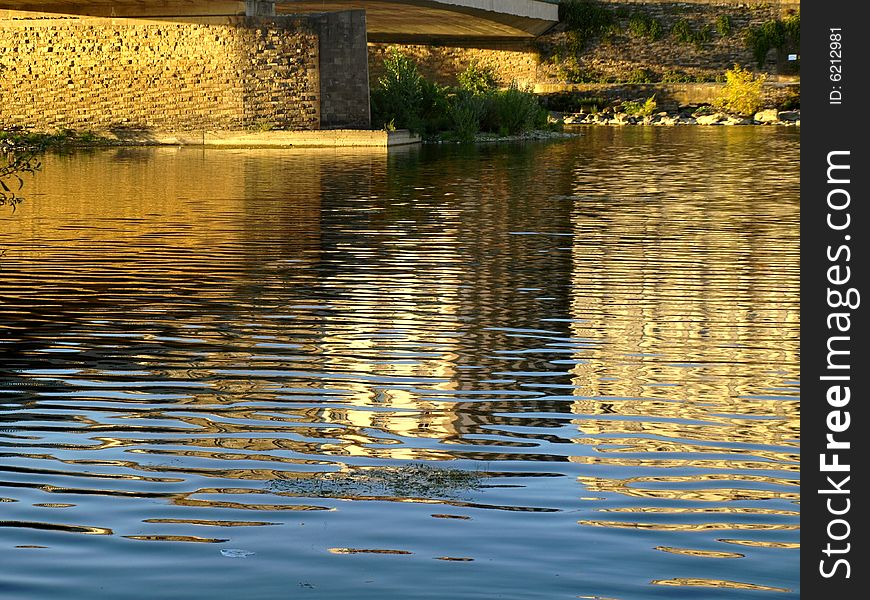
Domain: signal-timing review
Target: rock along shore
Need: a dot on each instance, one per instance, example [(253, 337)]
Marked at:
[(697, 117)]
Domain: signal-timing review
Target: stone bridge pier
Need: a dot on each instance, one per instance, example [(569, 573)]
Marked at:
[(260, 8)]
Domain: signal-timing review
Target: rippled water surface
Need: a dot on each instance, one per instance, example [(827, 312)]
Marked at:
[(554, 370)]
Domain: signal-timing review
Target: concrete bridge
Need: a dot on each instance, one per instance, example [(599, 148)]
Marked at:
[(387, 20)]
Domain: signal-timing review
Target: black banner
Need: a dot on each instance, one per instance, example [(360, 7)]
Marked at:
[(834, 231)]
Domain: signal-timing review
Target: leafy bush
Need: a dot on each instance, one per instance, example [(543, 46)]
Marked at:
[(703, 35), (743, 93), (640, 75), (641, 25), (466, 111), (573, 102), (792, 26), (774, 34), (570, 70), (397, 98), (723, 25), (677, 76), (683, 33), (791, 101), (647, 108), (513, 111), (586, 20), (477, 79), (404, 99)]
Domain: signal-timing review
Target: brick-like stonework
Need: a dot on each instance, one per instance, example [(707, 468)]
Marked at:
[(518, 63), (229, 73)]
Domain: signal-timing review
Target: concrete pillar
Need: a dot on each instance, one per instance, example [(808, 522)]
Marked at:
[(259, 8)]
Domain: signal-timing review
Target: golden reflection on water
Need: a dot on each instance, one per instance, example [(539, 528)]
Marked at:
[(701, 553), (717, 583), (621, 327)]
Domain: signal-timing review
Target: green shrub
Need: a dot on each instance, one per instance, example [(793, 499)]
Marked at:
[(572, 71), (641, 25), (723, 25), (398, 95), (743, 92), (684, 34), (586, 20), (640, 75), (791, 101), (703, 35), (404, 99), (647, 108), (513, 111), (792, 26), (434, 106), (773, 34), (477, 79), (572, 102), (676, 76), (465, 112)]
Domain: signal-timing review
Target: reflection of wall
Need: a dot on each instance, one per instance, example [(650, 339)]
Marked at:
[(684, 307), (161, 231), (408, 295)]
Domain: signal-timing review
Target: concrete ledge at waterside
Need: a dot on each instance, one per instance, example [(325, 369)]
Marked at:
[(325, 138)]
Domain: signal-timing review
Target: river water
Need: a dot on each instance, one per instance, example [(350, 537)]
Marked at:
[(544, 370)]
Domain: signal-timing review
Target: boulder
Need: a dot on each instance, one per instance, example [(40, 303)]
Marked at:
[(734, 120), (789, 115), (770, 115), (713, 119)]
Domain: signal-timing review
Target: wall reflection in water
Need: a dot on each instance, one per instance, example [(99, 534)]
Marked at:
[(598, 339)]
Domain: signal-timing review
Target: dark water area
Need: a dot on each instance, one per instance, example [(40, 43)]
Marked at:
[(523, 371)]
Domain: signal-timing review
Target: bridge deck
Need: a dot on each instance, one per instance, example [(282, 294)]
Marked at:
[(388, 20)]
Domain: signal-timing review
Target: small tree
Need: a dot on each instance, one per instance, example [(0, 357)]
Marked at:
[(398, 95), (742, 93)]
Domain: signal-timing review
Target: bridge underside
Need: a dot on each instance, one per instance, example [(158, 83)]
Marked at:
[(423, 21), (387, 20)]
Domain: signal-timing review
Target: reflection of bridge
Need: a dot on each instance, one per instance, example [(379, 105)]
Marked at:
[(387, 19)]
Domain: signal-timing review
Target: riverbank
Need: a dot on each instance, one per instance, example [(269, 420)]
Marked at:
[(700, 116)]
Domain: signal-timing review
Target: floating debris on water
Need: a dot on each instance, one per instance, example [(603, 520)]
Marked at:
[(236, 553), (366, 551), (409, 481)]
